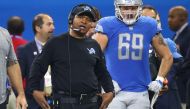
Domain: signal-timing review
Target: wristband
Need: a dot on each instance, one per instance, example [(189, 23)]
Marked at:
[(160, 78)]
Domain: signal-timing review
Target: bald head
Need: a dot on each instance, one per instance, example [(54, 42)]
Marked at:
[(178, 16), (38, 21), (180, 11)]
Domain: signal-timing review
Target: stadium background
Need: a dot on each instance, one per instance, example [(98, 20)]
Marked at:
[(59, 10)]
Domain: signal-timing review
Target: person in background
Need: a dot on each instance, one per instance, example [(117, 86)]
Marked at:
[(9, 68), (93, 24), (171, 90), (178, 22), (43, 28), (15, 26), (186, 69), (77, 66), (170, 99), (149, 11), (125, 39)]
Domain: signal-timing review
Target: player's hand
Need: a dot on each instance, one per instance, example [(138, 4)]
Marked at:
[(39, 96), (156, 85), (106, 99), (21, 101), (164, 88)]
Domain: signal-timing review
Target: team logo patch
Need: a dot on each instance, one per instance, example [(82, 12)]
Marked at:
[(86, 8), (91, 51)]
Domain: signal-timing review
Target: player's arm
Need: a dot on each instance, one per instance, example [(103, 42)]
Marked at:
[(15, 77), (164, 53), (14, 74), (102, 39)]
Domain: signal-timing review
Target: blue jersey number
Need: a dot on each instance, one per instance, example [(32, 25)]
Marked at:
[(135, 41)]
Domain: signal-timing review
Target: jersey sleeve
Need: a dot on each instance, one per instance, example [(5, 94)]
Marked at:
[(149, 26), (103, 26), (11, 56), (154, 27)]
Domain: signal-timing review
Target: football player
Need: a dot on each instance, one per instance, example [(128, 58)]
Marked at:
[(125, 39)]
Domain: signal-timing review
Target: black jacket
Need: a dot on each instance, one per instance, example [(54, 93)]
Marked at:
[(77, 65), (26, 54), (183, 41)]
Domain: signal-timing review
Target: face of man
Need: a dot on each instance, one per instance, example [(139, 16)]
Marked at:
[(47, 27), (82, 24), (128, 12), (149, 12), (174, 20)]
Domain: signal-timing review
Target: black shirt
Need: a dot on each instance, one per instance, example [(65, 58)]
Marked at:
[(76, 65)]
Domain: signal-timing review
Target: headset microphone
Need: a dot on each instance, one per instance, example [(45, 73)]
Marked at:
[(75, 29)]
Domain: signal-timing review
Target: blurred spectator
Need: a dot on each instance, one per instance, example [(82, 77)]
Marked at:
[(149, 11), (164, 101), (178, 22), (43, 28), (91, 31), (15, 26), (170, 98)]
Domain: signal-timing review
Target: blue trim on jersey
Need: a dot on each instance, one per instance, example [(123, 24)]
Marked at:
[(127, 51)]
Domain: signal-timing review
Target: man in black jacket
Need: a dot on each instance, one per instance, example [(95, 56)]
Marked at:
[(178, 22), (43, 28), (77, 65)]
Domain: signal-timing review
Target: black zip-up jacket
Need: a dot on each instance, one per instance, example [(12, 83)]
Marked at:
[(77, 65)]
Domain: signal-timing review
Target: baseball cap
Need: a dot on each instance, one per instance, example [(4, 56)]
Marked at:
[(85, 10), (173, 49)]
